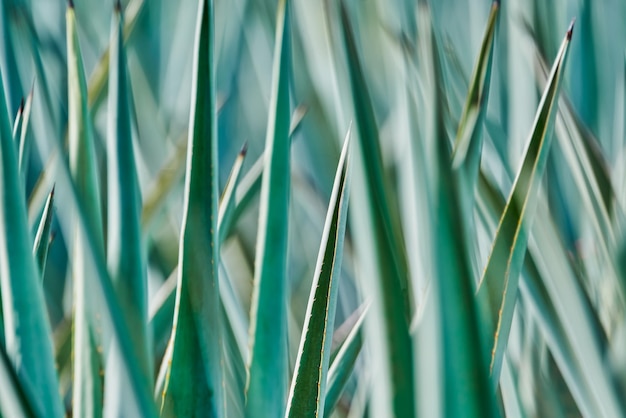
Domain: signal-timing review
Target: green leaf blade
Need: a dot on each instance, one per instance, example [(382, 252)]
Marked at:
[(193, 384), (381, 247), (27, 331), (308, 388), (124, 255), (267, 384), (87, 385), (42, 239), (498, 287), (468, 144), (343, 363)]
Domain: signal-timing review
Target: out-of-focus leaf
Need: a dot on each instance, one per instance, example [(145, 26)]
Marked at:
[(266, 386), (100, 75), (381, 251), (194, 380), (468, 144), (342, 365), (42, 239), (15, 401), (498, 287), (17, 123), (87, 385), (124, 253), (227, 201), (26, 327), (24, 147), (308, 386), (463, 361)]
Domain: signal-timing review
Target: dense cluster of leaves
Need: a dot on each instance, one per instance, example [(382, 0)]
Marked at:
[(461, 271)]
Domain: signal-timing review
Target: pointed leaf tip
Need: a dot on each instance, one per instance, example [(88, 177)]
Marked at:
[(21, 108), (570, 30), (244, 149), (70, 4), (118, 6)]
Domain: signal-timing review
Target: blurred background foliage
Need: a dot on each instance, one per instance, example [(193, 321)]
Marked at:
[(565, 353)]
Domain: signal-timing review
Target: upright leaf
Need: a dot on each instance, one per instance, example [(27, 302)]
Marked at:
[(267, 373), (468, 144), (342, 365), (15, 399), (124, 254), (24, 147), (381, 252), (463, 361), (498, 287), (87, 389), (194, 379), (227, 202), (308, 386), (42, 238), (27, 331)]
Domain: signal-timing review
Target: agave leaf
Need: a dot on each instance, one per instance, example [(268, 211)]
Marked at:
[(26, 327), (468, 145), (100, 75), (17, 123), (588, 167), (465, 382), (42, 239), (24, 147), (342, 365), (87, 388), (162, 305), (267, 385), (498, 287), (194, 379), (308, 386), (381, 249), (227, 201), (124, 254), (16, 400)]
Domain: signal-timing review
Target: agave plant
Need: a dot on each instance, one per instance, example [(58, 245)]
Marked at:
[(167, 187)]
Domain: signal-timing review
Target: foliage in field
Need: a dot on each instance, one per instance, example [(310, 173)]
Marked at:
[(284, 208)]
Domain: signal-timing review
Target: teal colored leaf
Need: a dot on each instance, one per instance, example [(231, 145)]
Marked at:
[(267, 374), (342, 364), (15, 398), (124, 254), (382, 249), (227, 201), (466, 389), (87, 385), (26, 328), (498, 287), (100, 75), (194, 380), (308, 385), (25, 141), (468, 144), (42, 238)]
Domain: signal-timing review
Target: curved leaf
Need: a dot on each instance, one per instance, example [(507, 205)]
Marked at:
[(26, 328), (498, 287), (42, 239)]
